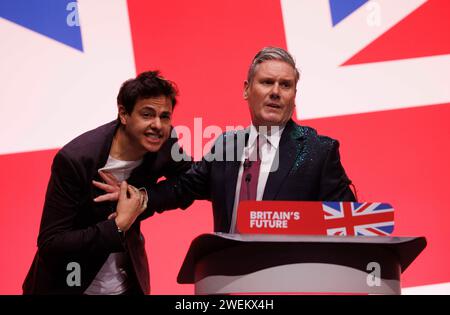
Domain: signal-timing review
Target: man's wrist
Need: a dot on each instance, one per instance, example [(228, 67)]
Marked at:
[(121, 227)]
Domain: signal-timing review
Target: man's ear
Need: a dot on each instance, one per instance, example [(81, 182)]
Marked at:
[(246, 86), (122, 114)]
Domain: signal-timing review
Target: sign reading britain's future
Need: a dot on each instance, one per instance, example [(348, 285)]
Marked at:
[(315, 218)]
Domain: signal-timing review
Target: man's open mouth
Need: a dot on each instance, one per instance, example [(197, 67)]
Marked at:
[(154, 136), (274, 105)]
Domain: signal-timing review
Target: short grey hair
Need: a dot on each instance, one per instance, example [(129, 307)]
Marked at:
[(271, 53)]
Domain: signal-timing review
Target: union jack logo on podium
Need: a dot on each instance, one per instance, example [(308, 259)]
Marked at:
[(361, 219)]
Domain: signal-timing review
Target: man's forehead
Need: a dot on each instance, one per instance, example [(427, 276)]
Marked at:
[(157, 103), (275, 68)]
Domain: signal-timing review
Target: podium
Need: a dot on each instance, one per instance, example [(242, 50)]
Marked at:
[(223, 263)]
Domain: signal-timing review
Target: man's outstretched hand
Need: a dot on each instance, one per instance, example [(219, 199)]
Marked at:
[(111, 186)]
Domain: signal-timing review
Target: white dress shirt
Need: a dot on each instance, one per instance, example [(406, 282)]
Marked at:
[(268, 147)]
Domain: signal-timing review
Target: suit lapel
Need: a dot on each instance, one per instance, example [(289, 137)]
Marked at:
[(290, 147), (107, 134), (106, 147)]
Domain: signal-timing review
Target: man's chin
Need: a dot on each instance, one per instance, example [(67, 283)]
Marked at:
[(153, 147), (271, 120)]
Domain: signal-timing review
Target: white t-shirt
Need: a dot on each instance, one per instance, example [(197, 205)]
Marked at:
[(112, 278)]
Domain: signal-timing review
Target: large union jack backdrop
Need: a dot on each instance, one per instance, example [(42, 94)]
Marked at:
[(374, 74)]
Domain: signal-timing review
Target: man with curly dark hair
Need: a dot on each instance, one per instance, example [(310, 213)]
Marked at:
[(82, 249)]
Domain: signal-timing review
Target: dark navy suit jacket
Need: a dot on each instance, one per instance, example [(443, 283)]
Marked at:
[(309, 169)]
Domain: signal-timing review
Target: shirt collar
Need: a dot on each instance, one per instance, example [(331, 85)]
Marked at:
[(273, 136)]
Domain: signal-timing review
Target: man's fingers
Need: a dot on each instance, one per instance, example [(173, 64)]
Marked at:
[(104, 176), (112, 216), (109, 178), (133, 192), (123, 190), (136, 195), (144, 194), (107, 197), (105, 187), (141, 199)]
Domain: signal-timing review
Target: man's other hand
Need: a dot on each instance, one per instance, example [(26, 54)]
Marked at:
[(129, 207), (111, 186)]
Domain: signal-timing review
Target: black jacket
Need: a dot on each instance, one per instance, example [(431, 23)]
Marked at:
[(309, 169), (75, 229)]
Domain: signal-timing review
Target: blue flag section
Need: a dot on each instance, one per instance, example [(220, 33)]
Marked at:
[(57, 20), (340, 9)]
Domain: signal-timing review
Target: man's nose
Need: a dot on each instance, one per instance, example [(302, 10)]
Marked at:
[(275, 92), (156, 123)]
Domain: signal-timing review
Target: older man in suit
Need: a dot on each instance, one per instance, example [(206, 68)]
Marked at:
[(81, 248), (273, 159)]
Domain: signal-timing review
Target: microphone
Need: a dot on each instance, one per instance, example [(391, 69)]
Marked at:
[(248, 178), (247, 164)]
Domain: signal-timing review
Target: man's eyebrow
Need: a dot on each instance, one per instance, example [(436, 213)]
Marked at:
[(148, 107), (266, 79)]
